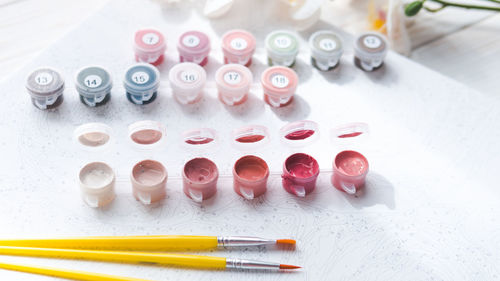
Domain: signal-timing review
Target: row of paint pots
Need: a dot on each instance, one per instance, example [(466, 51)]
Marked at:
[(282, 48), (142, 81), (200, 175)]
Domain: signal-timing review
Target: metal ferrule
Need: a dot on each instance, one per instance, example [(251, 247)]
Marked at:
[(250, 264), (243, 241)]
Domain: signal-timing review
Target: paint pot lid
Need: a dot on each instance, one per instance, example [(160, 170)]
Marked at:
[(201, 138), (187, 75), (91, 80), (282, 43), (371, 45), (233, 78), (238, 41), (147, 134), (299, 133), (149, 40), (141, 77), (325, 43), (250, 137), (45, 82), (350, 135), (96, 178), (194, 42), (279, 80), (92, 136)]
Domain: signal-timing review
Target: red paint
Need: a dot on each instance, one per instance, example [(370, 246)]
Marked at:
[(199, 140), (349, 171), (299, 135), (350, 135), (300, 172), (250, 138)]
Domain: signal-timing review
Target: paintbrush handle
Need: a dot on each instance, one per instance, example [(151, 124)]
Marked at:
[(181, 260), (64, 273)]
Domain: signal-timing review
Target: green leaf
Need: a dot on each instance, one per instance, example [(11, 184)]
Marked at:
[(413, 8)]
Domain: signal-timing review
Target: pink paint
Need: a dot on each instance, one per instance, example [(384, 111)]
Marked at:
[(200, 179), (299, 135), (201, 136), (233, 83), (238, 47), (250, 174), (250, 139), (197, 141), (147, 136), (279, 85), (350, 135), (349, 171), (194, 46), (300, 172), (149, 46), (149, 179)]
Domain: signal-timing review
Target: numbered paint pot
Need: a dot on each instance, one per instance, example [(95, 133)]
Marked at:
[(250, 174), (187, 80), (141, 83), (349, 171), (326, 49), (279, 84), (97, 184), (149, 46), (370, 50), (238, 47), (194, 46), (282, 47), (46, 87), (94, 85), (233, 83), (149, 180), (199, 178), (300, 172)]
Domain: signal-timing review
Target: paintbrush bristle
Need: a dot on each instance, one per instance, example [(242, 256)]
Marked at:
[(287, 266), (285, 242)]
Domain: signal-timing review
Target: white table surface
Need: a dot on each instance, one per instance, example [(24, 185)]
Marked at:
[(429, 210)]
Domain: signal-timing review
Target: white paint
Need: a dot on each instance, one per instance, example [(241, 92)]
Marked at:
[(97, 177)]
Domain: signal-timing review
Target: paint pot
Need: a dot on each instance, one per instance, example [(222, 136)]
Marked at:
[(300, 172), (238, 47), (141, 83), (199, 178), (349, 171), (299, 133), (97, 183), (233, 83), (149, 46), (370, 50), (92, 136), (250, 137), (279, 84), (199, 137), (282, 47), (326, 49), (250, 174), (187, 80), (46, 87), (149, 180), (94, 84), (147, 134), (194, 46)]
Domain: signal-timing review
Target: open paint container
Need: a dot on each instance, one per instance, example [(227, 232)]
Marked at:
[(187, 80), (46, 87), (94, 84), (149, 180), (147, 134), (141, 83), (350, 167), (199, 138), (250, 137), (93, 136), (233, 83), (282, 48), (370, 50), (279, 84), (238, 47), (300, 170), (97, 182), (326, 49), (194, 46), (149, 46)]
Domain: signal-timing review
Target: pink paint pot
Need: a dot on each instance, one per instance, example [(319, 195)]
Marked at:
[(349, 171), (299, 133), (250, 137), (187, 80), (300, 172), (250, 175), (233, 83), (194, 46), (147, 134), (199, 178), (149, 46), (279, 85), (238, 47), (149, 180)]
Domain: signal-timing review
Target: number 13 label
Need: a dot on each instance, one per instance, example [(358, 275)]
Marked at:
[(43, 78)]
